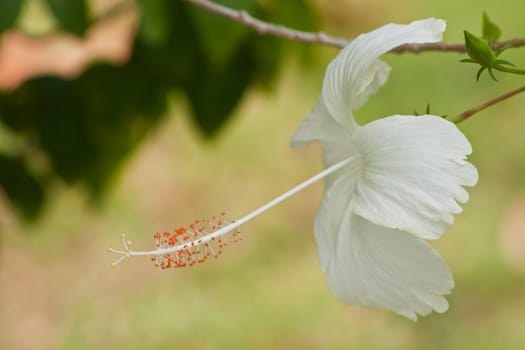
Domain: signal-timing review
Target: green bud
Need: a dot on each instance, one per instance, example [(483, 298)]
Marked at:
[(479, 50)]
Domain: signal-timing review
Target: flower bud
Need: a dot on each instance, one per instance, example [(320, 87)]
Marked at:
[(479, 50)]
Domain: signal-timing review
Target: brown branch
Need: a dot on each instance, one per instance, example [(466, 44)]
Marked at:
[(451, 47), (320, 38), (487, 104), (264, 28), (439, 46)]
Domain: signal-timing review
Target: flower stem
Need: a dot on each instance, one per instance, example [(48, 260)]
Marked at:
[(235, 224), (487, 104), (509, 69)]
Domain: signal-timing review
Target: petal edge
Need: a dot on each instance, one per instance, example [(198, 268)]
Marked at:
[(413, 174), (378, 267), (352, 71)]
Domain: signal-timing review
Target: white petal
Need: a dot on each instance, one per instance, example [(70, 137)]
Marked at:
[(325, 230), (355, 73), (379, 267), (335, 140), (413, 174), (319, 126), (329, 218), (381, 70)]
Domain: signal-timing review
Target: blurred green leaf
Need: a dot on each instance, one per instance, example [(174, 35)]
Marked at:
[(87, 126), (9, 10), (295, 14), (269, 51), (72, 15), (171, 61), (214, 93), (154, 21), (221, 37), (491, 32), (22, 188)]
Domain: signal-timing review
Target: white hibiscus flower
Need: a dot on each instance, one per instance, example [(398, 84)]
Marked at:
[(401, 183), (390, 184)]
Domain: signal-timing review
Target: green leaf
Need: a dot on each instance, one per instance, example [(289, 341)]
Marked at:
[(505, 62), (215, 92), (295, 14), (220, 37), (502, 49), (491, 73), (72, 15), (480, 71), (154, 21), (170, 62), (23, 189), (9, 11), (87, 126), (491, 31)]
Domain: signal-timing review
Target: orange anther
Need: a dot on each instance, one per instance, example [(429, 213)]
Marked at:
[(191, 237)]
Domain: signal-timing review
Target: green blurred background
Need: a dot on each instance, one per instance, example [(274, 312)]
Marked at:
[(195, 124)]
